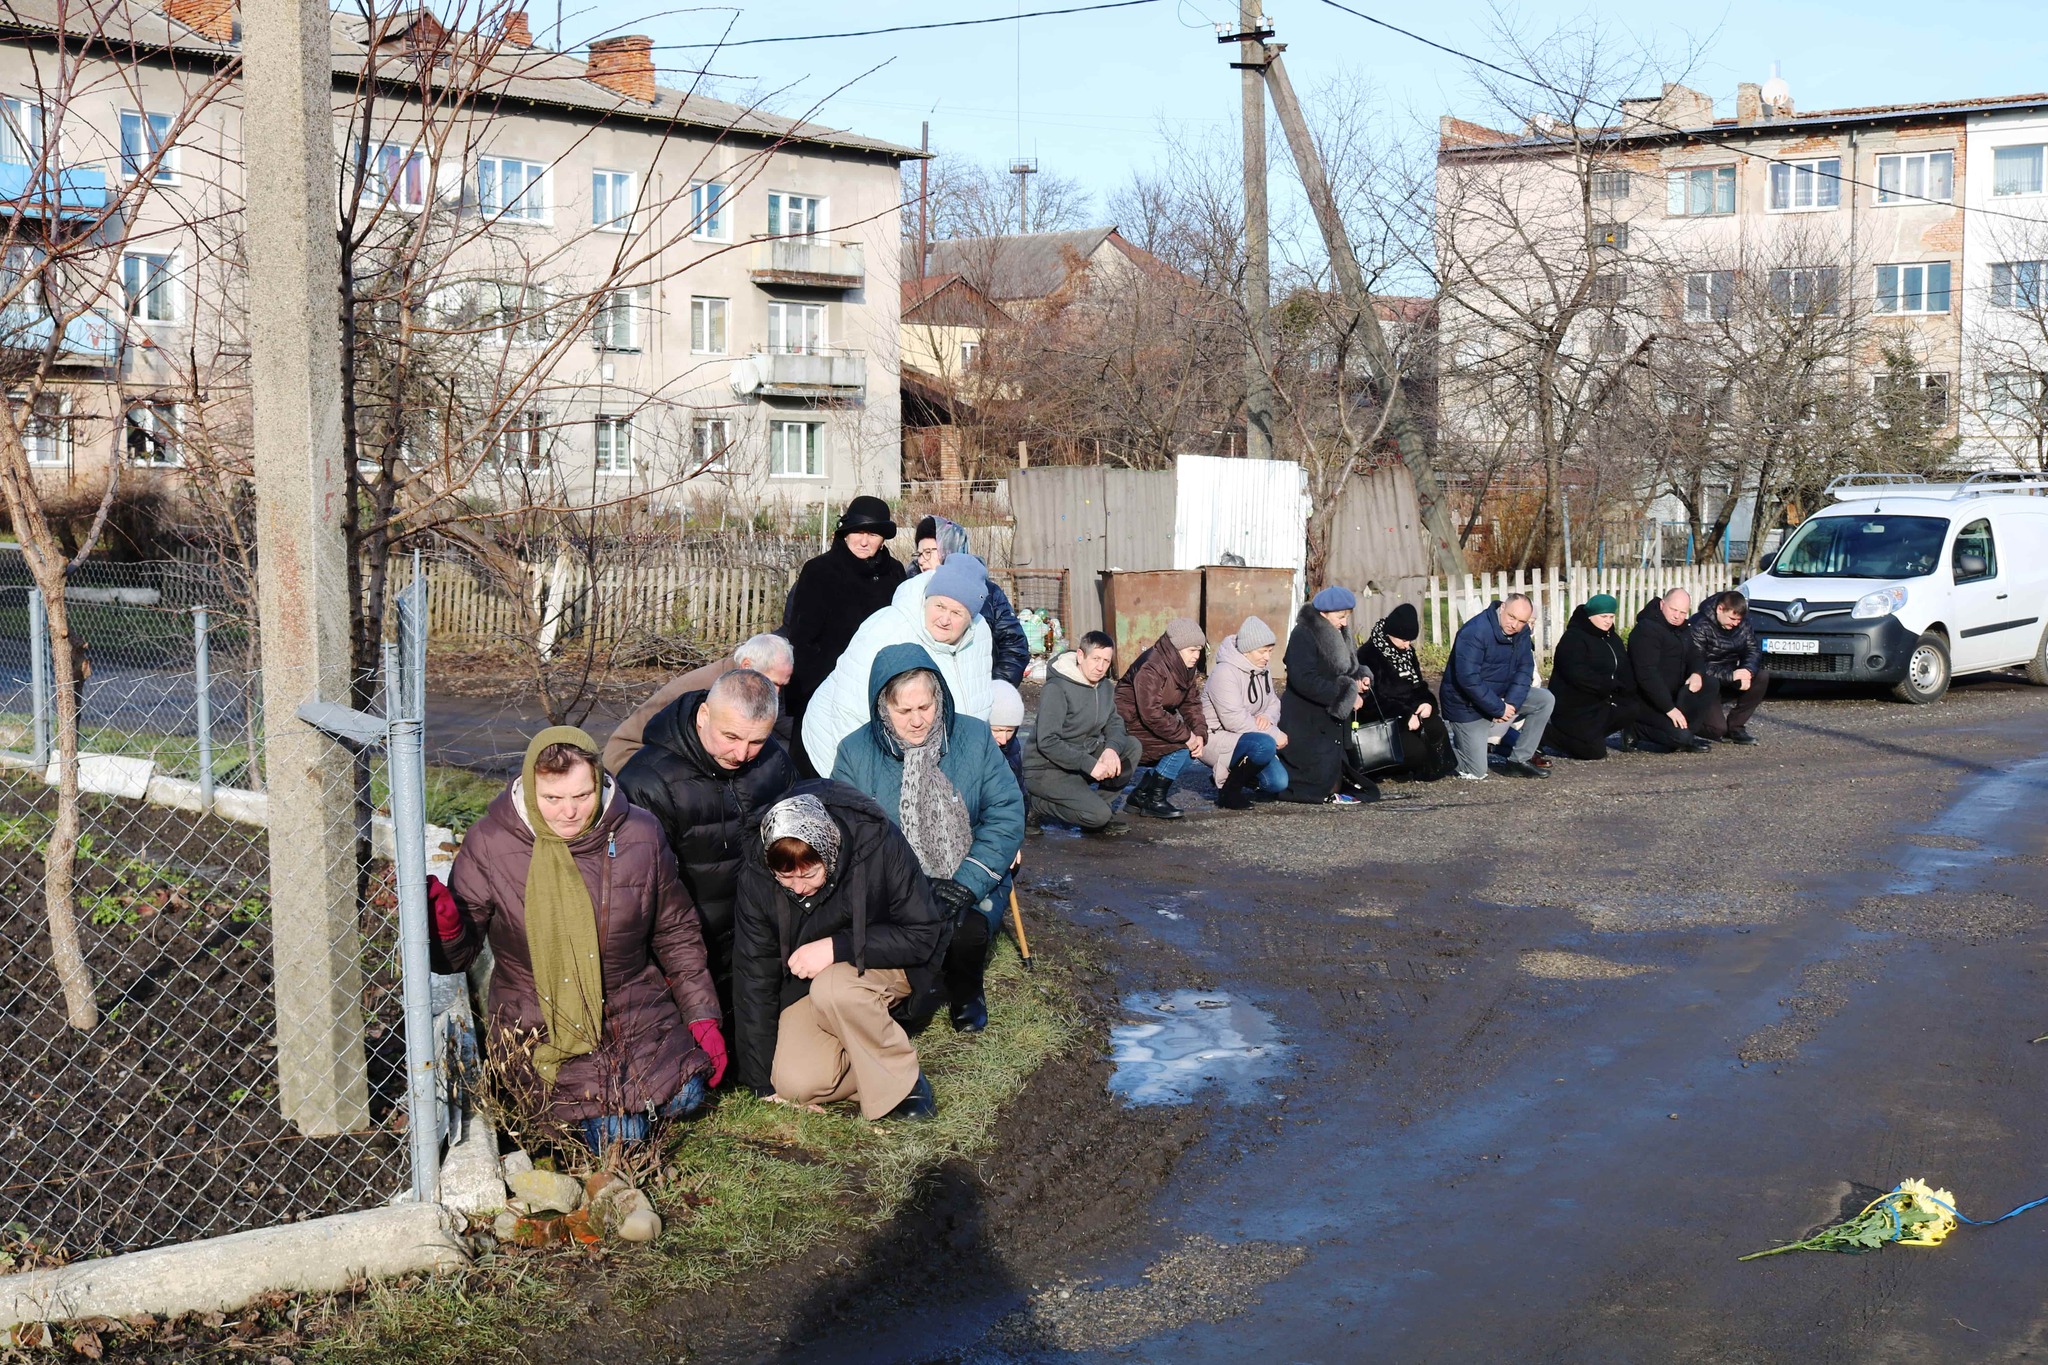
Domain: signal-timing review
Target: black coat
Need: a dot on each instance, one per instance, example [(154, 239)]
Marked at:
[(1006, 637), (1316, 708), (1662, 656), (1722, 651), (877, 909), (1397, 697), (705, 810), (1591, 677), (834, 593)]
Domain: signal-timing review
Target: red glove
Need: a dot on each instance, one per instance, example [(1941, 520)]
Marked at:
[(446, 914), (713, 1043)]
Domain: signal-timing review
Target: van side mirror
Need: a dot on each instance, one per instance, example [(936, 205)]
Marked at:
[(1764, 565)]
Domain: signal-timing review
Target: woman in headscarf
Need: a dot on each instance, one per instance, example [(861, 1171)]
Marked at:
[(602, 1011), (1404, 696), (836, 941), (1326, 686), (941, 777)]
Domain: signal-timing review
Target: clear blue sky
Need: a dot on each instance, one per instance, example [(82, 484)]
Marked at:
[(1096, 88)]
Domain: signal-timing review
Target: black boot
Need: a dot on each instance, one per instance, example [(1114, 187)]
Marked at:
[(918, 1104), (1237, 785), (966, 962), (1150, 798)]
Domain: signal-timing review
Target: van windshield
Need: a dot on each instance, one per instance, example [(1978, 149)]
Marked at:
[(1863, 547)]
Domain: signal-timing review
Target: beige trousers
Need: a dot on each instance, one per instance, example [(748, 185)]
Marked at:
[(839, 1042)]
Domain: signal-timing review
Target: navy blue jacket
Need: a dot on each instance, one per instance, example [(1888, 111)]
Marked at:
[(1489, 670)]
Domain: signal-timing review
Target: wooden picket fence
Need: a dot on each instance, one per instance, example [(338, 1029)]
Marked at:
[(1447, 605), (717, 604)]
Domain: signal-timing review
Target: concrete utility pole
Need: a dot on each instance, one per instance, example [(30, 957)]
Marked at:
[(1258, 289), (1402, 421), (295, 358)]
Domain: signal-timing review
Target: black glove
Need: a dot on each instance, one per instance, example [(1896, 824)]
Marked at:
[(954, 896)]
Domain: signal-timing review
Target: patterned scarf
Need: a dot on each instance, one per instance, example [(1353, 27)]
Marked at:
[(1403, 661), (804, 818), (933, 816)]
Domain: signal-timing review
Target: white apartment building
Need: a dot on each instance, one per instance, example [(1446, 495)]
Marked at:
[(2005, 287), (742, 337)]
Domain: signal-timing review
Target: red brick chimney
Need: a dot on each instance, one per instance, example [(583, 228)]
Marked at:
[(517, 33), (213, 19), (624, 66)]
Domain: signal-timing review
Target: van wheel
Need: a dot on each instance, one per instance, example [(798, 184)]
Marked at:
[(2037, 667), (1927, 672)]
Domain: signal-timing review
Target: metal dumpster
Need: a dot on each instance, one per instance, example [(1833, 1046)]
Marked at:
[(1137, 604), (1231, 592)]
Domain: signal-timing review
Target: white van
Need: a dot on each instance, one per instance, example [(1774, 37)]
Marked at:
[(1910, 583)]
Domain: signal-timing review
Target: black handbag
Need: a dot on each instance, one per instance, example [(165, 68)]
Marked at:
[(1376, 744)]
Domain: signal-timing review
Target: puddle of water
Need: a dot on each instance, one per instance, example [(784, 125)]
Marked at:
[(1985, 806), (1186, 1041)]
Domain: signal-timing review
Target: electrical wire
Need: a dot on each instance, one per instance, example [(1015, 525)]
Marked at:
[(911, 28), (1712, 137)]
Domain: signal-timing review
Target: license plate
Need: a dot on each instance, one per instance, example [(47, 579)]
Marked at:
[(1779, 645)]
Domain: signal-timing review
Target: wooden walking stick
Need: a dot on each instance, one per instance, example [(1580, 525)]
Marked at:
[(1017, 925)]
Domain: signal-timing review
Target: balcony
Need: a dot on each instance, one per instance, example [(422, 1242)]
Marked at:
[(93, 339), (808, 374), (53, 192), (808, 262)]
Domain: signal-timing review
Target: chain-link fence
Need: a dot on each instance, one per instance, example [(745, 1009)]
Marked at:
[(171, 1118)]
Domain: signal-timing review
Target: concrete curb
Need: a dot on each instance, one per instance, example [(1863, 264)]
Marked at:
[(319, 1256)]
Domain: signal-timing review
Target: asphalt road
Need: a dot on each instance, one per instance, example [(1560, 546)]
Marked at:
[(1561, 1052)]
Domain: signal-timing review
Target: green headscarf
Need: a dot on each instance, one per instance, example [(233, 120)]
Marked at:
[(561, 925)]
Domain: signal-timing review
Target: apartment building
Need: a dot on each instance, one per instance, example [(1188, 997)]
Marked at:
[(730, 277), (1886, 212)]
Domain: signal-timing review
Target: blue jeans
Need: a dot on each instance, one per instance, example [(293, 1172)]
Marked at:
[(1173, 764), (1261, 748), (607, 1129)]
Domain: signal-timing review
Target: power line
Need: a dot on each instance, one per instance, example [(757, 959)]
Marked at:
[(1710, 136), (911, 28)]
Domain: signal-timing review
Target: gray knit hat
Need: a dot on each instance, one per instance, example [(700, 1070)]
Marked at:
[(1252, 633), (1006, 704), (1186, 633)]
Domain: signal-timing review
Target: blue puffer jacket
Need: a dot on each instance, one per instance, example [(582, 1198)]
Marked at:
[(1489, 670), (871, 760), (1006, 633)]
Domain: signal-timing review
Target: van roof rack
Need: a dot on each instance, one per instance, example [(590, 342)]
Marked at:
[(1984, 483), (1848, 483)]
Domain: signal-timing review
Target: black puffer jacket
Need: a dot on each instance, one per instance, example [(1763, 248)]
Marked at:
[(1662, 656), (1722, 650), (706, 811), (877, 909), (834, 593)]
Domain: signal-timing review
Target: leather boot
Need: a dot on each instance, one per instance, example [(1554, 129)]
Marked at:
[(1150, 798), (1237, 785)]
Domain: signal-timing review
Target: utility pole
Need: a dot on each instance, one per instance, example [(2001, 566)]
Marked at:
[(303, 610), (1258, 290), (924, 202), (1023, 170), (1402, 421)]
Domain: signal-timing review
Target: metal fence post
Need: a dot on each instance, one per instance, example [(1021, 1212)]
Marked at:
[(39, 678), (202, 682), (406, 770)]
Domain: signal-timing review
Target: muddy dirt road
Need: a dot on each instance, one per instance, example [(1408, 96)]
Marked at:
[(1554, 1054)]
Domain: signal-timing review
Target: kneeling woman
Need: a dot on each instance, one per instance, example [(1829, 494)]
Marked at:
[(836, 939), (602, 1011), (1403, 696)]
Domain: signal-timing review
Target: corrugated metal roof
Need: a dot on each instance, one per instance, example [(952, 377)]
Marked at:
[(1032, 265)]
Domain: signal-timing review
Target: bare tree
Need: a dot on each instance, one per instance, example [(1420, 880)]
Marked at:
[(968, 198)]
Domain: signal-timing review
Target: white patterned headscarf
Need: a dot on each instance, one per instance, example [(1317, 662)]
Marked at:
[(805, 818)]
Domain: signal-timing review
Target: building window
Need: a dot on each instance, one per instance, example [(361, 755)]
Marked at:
[(796, 328), (795, 215), (1609, 185), (2016, 396), (522, 445), (46, 436), (1607, 289), (1799, 186), (709, 220), (617, 324), (1916, 178), (399, 176), (970, 351), (1710, 296), (611, 201), (523, 315), (793, 450), (1913, 288), (1927, 391), (615, 445), (710, 443), (1613, 235), (145, 139), (152, 435), (151, 283), (1807, 290), (707, 326), (21, 132), (515, 190), (1699, 192), (2016, 170), (1610, 338), (2017, 284)]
